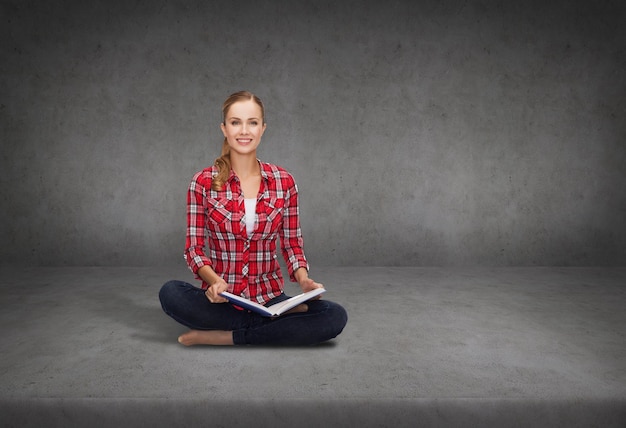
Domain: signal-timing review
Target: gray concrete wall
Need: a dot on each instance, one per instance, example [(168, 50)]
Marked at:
[(420, 132)]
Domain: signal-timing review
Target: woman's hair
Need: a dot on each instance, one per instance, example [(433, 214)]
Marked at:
[(223, 162)]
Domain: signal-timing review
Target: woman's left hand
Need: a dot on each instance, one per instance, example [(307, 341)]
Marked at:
[(308, 284)]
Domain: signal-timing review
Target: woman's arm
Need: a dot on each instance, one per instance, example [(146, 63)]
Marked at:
[(196, 223), (291, 234), (216, 284), (306, 283)]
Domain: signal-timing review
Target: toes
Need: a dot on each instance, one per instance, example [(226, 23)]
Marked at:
[(185, 339)]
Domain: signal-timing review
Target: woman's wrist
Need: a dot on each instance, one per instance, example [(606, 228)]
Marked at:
[(208, 275), (301, 275)]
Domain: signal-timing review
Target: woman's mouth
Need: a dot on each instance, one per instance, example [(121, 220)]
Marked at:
[(244, 141)]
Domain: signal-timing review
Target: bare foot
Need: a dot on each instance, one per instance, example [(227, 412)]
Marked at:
[(206, 337)]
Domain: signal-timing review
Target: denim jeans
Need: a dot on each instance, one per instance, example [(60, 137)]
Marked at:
[(189, 306)]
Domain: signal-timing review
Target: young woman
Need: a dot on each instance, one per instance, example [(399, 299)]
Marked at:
[(236, 211)]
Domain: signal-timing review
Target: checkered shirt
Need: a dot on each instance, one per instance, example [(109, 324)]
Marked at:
[(217, 236)]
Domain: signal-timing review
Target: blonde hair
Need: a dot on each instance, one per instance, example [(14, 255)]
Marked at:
[(223, 162)]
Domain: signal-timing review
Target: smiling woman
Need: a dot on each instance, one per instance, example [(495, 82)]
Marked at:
[(237, 209), (239, 104)]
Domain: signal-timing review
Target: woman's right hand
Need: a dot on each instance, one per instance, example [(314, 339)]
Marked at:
[(213, 292)]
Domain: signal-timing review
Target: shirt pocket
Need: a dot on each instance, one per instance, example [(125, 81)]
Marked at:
[(220, 215), (271, 218)]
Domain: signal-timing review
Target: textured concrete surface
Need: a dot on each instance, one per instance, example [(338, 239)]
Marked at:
[(445, 347), (420, 132)]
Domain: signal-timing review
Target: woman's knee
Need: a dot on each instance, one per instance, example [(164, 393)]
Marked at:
[(335, 319), (169, 292), (338, 317)]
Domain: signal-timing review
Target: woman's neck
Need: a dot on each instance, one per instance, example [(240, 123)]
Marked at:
[(245, 165)]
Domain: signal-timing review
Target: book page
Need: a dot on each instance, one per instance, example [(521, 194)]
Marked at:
[(246, 304), (276, 309), (294, 301)]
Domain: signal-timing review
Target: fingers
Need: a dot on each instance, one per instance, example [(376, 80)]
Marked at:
[(214, 298), (308, 285), (213, 292), (315, 285), (312, 285)]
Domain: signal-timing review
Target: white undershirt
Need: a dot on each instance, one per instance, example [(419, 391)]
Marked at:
[(250, 214)]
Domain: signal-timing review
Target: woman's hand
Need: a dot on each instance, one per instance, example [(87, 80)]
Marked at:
[(213, 292), (306, 283)]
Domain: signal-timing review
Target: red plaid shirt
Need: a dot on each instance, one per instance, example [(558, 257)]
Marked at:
[(248, 264)]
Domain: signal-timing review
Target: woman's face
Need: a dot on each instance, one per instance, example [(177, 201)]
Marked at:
[(243, 126)]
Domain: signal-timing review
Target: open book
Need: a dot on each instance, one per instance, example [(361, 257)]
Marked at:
[(277, 308)]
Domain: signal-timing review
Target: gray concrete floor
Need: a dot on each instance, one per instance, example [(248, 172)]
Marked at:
[(447, 347)]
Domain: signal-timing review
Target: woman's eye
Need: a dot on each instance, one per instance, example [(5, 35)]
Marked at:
[(254, 123), (234, 122)]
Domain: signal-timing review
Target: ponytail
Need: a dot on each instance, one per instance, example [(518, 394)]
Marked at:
[(223, 165)]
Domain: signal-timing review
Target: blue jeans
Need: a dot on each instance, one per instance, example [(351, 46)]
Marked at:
[(189, 306)]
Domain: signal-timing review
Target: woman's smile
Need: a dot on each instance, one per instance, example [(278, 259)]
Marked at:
[(243, 127)]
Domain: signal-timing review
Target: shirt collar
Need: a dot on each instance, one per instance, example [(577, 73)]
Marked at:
[(266, 172)]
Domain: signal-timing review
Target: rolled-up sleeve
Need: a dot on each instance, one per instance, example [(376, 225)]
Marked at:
[(292, 244), (196, 224)]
